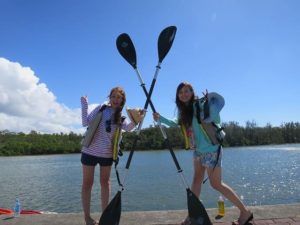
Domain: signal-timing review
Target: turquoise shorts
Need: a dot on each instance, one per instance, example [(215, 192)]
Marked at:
[(209, 159)]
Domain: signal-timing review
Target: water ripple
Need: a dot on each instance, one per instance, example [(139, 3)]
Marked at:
[(260, 175)]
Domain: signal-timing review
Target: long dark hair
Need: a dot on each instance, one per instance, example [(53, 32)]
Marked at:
[(117, 114), (185, 111)]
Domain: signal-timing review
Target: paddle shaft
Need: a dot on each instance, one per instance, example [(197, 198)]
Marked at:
[(148, 101), (148, 95)]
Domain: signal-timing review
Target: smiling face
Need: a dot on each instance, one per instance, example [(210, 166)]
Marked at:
[(185, 94), (184, 101), (117, 98)]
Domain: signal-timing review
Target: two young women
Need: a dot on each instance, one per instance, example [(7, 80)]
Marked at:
[(207, 155)]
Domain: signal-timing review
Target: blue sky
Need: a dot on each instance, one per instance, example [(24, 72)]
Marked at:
[(52, 52)]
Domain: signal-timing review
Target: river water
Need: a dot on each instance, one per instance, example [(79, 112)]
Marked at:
[(261, 175)]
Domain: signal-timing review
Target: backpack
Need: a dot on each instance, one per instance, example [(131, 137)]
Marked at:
[(91, 129), (213, 131)]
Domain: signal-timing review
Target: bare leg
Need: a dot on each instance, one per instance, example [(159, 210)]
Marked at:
[(199, 171), (87, 184), (215, 178), (105, 185)]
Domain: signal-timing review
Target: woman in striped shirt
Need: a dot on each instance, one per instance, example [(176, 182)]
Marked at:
[(100, 148)]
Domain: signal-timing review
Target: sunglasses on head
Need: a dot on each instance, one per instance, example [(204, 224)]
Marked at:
[(108, 126)]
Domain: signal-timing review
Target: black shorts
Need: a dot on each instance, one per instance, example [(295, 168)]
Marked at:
[(90, 160)]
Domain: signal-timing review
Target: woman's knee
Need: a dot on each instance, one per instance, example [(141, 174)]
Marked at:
[(104, 181)]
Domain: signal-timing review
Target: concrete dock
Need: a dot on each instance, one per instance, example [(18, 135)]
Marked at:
[(263, 215)]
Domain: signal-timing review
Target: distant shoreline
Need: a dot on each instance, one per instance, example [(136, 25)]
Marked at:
[(145, 150), (34, 143)]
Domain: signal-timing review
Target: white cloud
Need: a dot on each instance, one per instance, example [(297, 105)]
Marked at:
[(26, 104)]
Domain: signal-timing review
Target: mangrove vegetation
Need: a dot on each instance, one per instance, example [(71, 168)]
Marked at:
[(34, 143)]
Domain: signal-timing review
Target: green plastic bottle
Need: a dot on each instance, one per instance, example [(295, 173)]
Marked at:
[(221, 206)]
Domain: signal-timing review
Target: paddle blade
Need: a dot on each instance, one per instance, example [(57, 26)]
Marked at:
[(112, 213), (165, 41), (197, 212), (126, 49)]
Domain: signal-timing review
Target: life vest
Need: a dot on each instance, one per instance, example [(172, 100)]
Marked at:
[(187, 144), (117, 145), (117, 142), (212, 131), (91, 129)]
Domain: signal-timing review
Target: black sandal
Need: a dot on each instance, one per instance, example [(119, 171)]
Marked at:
[(237, 222)]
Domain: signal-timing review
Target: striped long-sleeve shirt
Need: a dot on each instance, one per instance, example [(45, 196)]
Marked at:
[(101, 145)]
